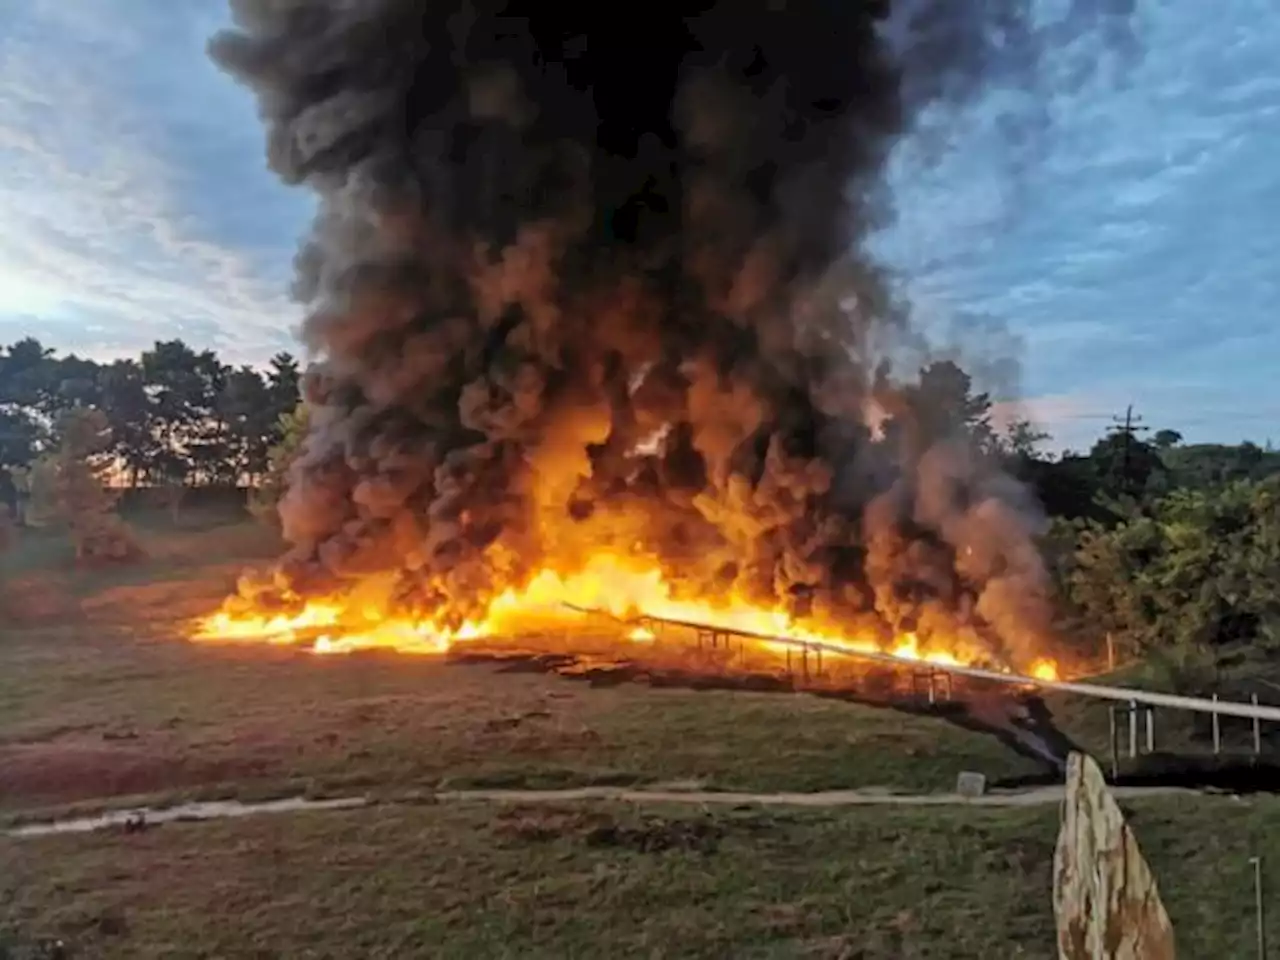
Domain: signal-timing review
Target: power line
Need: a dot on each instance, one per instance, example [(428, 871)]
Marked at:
[(1127, 429)]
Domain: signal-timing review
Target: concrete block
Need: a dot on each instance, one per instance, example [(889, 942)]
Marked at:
[(971, 784)]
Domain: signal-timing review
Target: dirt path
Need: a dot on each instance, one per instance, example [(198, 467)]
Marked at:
[(223, 809), (826, 798)]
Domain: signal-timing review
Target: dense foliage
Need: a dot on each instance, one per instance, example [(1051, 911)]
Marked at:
[(1172, 548)]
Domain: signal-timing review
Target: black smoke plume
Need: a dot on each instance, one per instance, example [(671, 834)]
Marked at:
[(584, 280)]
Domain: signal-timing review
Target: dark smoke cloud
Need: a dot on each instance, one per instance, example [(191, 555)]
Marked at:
[(585, 279)]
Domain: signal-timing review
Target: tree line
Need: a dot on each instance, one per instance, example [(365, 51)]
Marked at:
[(173, 415), (76, 432), (1172, 548)]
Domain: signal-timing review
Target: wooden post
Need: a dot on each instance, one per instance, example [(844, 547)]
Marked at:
[(1257, 729), (1259, 907), (1217, 728), (1111, 653)]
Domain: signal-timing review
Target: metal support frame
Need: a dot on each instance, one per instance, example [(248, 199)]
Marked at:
[(1214, 705)]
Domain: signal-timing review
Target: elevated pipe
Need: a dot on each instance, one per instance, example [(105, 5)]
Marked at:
[(1229, 708)]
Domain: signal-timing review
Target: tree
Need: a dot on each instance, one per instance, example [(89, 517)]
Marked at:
[(27, 378), (69, 486), (1123, 464), (1066, 487), (183, 387), (1166, 439), (1188, 579), (246, 406), (8, 529), (1022, 440), (124, 401), (265, 499), (942, 406), (1205, 465), (283, 379)]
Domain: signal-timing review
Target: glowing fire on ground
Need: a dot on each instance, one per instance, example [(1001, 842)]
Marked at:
[(554, 602)]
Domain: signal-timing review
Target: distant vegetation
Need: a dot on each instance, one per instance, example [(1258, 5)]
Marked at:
[(76, 433), (1172, 548)]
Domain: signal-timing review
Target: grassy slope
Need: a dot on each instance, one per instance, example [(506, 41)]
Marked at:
[(477, 881), (100, 696)]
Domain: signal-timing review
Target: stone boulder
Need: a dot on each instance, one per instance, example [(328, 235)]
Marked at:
[(1104, 896)]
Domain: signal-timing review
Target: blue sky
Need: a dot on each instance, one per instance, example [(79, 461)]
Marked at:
[(1132, 255)]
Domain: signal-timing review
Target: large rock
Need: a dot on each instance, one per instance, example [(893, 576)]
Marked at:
[(1104, 896)]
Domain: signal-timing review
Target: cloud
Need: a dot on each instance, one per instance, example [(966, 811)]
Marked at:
[(104, 233), (1134, 251), (1126, 254)]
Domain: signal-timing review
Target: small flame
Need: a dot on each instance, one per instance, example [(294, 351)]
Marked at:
[(1045, 670)]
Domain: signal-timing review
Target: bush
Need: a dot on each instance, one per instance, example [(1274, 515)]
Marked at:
[(68, 486), (1187, 580)]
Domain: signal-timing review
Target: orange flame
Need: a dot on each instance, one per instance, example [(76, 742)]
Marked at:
[(554, 601)]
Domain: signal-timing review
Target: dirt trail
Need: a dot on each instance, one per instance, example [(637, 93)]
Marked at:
[(222, 809), (825, 798)]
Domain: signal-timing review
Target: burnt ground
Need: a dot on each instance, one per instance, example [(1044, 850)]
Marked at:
[(1022, 722)]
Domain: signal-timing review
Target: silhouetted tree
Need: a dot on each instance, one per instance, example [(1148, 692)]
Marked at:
[(69, 485)]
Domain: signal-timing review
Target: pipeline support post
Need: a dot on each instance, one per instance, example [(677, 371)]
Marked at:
[(1257, 728), (1133, 729), (1217, 728), (1151, 729), (1259, 907)]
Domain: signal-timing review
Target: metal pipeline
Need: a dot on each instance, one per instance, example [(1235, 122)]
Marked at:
[(1128, 695)]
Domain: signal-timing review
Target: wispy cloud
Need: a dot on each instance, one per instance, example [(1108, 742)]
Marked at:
[(1128, 253), (1136, 254), (101, 236)]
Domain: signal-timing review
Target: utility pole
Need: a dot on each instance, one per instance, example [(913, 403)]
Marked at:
[(1128, 428)]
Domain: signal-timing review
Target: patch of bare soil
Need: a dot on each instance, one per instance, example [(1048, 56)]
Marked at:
[(31, 600), (65, 770), (168, 599)]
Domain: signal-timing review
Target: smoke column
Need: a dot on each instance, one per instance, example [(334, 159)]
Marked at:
[(584, 281)]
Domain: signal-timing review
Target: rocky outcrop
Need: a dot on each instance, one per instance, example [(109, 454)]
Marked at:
[(1104, 896)]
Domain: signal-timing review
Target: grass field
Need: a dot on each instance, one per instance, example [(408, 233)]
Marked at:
[(473, 881), (101, 697), (102, 702)]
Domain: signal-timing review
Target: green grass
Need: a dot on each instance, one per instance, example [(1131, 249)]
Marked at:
[(101, 697), (475, 881), (102, 700)]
